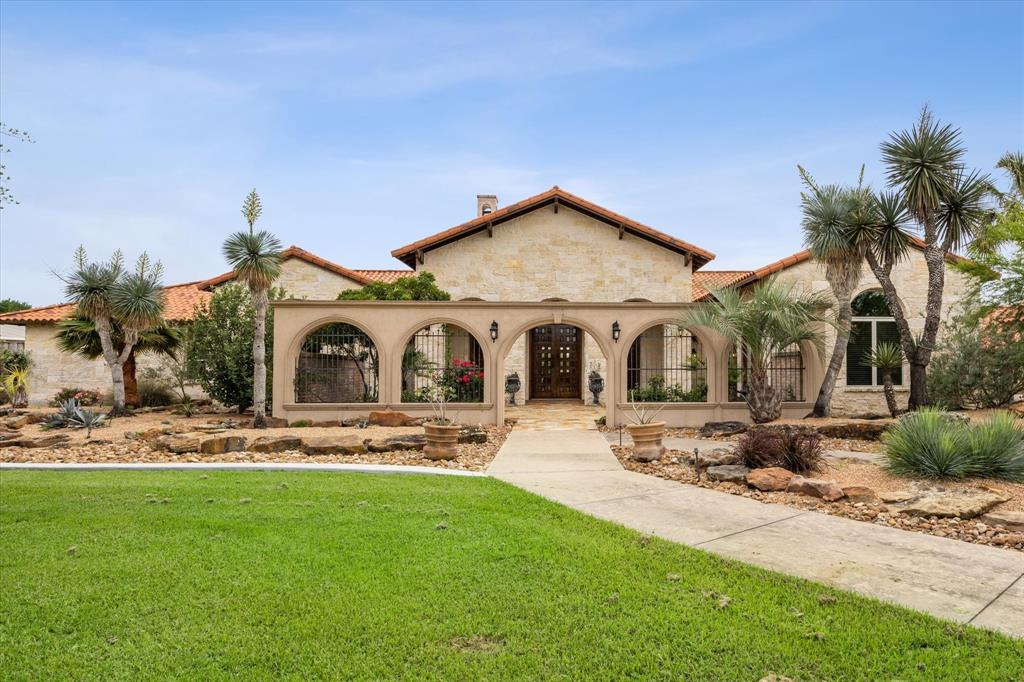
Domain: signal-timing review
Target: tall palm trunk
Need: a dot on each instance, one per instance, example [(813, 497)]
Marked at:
[(764, 401), (823, 405), (259, 359), (115, 362), (890, 392), (131, 383)]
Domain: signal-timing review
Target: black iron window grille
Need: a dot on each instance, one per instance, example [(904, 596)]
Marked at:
[(666, 364), (786, 373), (443, 356), (337, 363)]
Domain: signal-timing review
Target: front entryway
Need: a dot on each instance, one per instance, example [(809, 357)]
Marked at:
[(556, 362)]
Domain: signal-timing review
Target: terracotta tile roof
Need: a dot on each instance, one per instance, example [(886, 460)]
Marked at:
[(295, 252), (181, 300), (389, 276), (407, 253), (715, 279)]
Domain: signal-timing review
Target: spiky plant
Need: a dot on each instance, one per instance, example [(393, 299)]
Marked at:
[(15, 384), (78, 336), (837, 225), (997, 447), (933, 190), (927, 443), (887, 358), (256, 259), (106, 293), (763, 323)]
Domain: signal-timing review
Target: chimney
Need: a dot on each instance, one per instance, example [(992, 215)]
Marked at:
[(486, 203)]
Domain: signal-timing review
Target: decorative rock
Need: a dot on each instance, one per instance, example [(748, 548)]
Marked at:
[(872, 430), (333, 445), (275, 444), (472, 434), (187, 442), (770, 478), (860, 493), (722, 429), (415, 441), (730, 473), (1010, 520), (39, 442), (388, 418), (276, 422), (353, 421), (815, 487), (896, 496), (964, 505), (717, 457)]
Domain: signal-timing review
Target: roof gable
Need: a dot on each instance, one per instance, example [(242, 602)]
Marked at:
[(410, 253), (295, 252)]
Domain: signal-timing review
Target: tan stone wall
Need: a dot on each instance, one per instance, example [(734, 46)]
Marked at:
[(911, 281), (303, 280), (568, 255)]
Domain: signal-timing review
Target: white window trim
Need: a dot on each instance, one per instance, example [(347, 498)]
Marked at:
[(874, 342)]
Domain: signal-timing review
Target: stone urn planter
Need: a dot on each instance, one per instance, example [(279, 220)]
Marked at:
[(647, 445), (441, 440)]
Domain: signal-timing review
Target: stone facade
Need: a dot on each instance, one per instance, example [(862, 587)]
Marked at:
[(303, 280), (911, 280)]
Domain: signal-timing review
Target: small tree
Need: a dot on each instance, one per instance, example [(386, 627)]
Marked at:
[(78, 336), (10, 305), (419, 287), (256, 260), (887, 358), (105, 293), (762, 325), (219, 357)]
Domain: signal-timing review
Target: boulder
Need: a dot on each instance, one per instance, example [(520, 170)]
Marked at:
[(866, 430), (472, 434), (1010, 520), (333, 445), (860, 493), (414, 441), (276, 422), (729, 473), (716, 457), (218, 445), (354, 421), (770, 478), (388, 418), (722, 429), (275, 444), (185, 442), (896, 496), (47, 441), (815, 487), (947, 504)]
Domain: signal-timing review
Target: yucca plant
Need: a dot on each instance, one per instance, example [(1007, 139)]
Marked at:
[(887, 358), (106, 293), (997, 447), (256, 259), (927, 443), (764, 323), (15, 384)]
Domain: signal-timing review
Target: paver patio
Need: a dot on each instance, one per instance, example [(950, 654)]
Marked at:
[(963, 582)]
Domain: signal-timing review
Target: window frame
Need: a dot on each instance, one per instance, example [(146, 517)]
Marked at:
[(873, 320)]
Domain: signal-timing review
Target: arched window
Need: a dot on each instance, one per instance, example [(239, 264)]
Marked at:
[(337, 364), (666, 364), (443, 356), (872, 324)]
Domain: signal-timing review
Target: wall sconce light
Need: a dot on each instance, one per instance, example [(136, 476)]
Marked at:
[(616, 331), (494, 330)]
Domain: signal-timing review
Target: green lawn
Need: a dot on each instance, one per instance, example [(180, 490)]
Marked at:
[(316, 575)]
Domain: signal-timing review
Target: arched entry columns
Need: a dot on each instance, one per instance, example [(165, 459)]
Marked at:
[(390, 324)]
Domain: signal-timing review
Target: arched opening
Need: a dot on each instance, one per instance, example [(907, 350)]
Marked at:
[(666, 364), (337, 363), (443, 357), (785, 371), (872, 324)]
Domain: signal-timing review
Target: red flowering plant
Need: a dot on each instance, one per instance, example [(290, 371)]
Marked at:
[(466, 379)]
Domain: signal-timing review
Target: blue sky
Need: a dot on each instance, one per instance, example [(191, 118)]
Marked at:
[(367, 126)]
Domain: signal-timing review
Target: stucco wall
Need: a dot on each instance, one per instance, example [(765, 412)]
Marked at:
[(568, 255), (911, 280), (300, 279)]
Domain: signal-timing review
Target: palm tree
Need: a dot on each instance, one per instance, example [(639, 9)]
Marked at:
[(106, 293), (77, 335), (932, 188), (837, 222), (887, 357), (763, 324), (256, 260)]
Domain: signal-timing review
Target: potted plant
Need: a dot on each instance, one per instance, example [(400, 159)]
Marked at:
[(512, 386), (595, 383), (646, 432), (441, 431)]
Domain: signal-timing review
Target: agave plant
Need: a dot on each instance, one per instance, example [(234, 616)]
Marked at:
[(62, 418), (88, 420), (887, 358)]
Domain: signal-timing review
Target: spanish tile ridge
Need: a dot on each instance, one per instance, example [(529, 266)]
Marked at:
[(554, 192), (58, 311), (294, 251)]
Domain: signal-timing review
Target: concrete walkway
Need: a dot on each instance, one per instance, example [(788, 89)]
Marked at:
[(960, 581)]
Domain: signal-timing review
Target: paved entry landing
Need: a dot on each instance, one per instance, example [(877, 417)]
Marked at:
[(948, 578)]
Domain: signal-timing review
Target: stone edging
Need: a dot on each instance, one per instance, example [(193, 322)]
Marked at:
[(239, 466)]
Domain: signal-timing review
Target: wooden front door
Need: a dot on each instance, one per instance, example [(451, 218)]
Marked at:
[(555, 362)]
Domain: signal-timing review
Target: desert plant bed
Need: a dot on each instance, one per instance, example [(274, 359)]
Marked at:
[(266, 575)]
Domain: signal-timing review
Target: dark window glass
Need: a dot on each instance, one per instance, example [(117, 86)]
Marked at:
[(887, 333), (858, 371), (871, 304)]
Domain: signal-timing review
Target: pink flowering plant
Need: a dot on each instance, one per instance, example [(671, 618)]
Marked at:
[(466, 380), (85, 397)]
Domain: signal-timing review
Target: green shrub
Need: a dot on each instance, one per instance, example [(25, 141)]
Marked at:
[(997, 448), (977, 365), (656, 390), (155, 393), (928, 443)]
